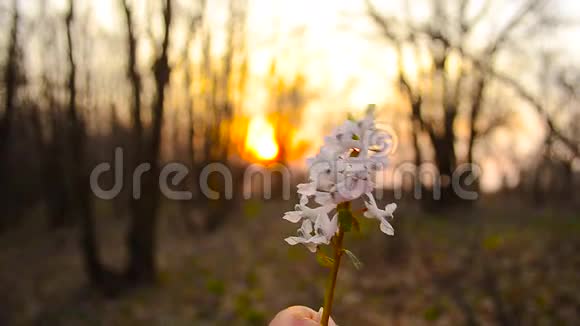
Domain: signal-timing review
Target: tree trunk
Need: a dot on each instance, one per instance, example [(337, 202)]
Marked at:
[(10, 82), (77, 138), (141, 237)]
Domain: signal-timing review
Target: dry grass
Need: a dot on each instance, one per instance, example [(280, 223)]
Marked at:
[(495, 266)]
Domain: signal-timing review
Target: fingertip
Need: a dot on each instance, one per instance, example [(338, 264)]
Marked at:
[(295, 316)]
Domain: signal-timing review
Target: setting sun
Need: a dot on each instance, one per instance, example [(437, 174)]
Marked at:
[(261, 139)]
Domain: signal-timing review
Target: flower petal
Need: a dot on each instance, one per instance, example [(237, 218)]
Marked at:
[(306, 228), (306, 189), (318, 239), (371, 198), (294, 240), (390, 209), (293, 216), (323, 198), (311, 246), (387, 228), (369, 214), (333, 226), (326, 227)]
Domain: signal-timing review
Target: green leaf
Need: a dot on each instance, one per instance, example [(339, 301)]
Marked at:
[(324, 260), (345, 219), (371, 108), (353, 258)]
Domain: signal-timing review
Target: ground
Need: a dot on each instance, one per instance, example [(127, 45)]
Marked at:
[(484, 264)]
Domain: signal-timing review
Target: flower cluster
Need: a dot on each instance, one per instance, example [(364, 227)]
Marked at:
[(341, 172)]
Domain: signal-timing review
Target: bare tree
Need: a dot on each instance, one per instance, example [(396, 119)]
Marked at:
[(439, 98), (133, 74), (137, 137), (554, 175), (77, 141), (51, 136), (223, 82), (195, 21), (141, 237), (11, 79)]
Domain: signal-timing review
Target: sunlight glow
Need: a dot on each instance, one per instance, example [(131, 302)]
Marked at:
[(261, 139)]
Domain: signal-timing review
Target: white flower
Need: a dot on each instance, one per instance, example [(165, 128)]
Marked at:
[(326, 227), (324, 170), (311, 234), (374, 212), (307, 189), (306, 237), (302, 211), (342, 171), (324, 198), (356, 182), (344, 137)]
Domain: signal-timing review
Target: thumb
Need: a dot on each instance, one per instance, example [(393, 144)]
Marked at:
[(304, 322), (318, 318), (298, 316)]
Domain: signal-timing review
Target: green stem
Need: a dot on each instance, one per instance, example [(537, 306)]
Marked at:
[(328, 298)]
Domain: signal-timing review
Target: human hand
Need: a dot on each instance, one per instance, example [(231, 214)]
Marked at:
[(299, 316)]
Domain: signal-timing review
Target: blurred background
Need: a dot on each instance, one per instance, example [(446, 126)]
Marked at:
[(490, 84)]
